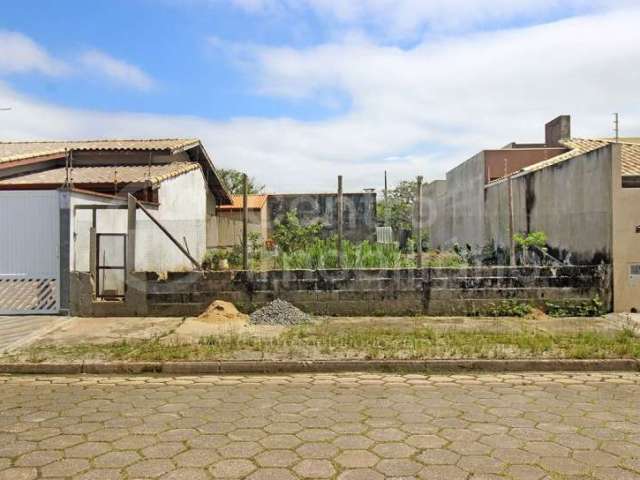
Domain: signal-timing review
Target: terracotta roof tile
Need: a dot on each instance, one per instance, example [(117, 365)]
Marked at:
[(630, 159), (10, 151), (580, 146), (254, 202), (104, 174)]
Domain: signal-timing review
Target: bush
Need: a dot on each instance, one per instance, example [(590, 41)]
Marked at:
[(591, 308), (212, 258), (509, 308), (290, 235), (443, 260), (323, 253)]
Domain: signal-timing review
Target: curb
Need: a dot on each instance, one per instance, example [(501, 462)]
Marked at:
[(321, 366)]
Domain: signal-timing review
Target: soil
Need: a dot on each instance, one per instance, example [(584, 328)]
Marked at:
[(223, 312)]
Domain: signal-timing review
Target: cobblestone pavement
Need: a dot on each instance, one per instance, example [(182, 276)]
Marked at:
[(350, 427)]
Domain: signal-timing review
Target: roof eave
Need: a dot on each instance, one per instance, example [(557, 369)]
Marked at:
[(216, 184)]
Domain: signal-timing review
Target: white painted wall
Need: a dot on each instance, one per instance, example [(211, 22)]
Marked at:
[(182, 211)]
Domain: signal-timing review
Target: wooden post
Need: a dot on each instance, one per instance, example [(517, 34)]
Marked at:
[(340, 208), (512, 248), (131, 233), (245, 219), (419, 222)]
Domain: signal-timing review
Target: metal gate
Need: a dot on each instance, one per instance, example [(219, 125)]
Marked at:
[(111, 265), (29, 252)]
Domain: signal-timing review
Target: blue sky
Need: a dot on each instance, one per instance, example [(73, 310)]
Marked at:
[(166, 40), (297, 91)]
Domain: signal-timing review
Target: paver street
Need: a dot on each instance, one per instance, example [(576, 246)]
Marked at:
[(351, 426)]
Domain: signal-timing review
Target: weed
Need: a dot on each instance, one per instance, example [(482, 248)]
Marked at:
[(509, 308), (591, 308)]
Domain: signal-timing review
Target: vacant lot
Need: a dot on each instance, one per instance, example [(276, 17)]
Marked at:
[(350, 338)]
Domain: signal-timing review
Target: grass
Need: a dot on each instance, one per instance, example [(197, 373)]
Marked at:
[(324, 340)]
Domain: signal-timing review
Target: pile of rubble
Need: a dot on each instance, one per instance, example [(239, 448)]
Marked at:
[(278, 312)]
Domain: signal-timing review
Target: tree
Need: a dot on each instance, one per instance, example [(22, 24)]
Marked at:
[(398, 210), (233, 181), (290, 235)]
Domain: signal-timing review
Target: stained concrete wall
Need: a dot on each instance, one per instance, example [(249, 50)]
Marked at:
[(359, 218), (436, 215), (626, 240), (431, 291), (465, 202), (570, 202), (456, 207)]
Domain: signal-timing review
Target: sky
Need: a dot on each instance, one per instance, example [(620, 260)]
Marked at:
[(296, 92)]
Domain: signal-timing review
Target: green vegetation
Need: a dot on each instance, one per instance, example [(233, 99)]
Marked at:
[(324, 254), (327, 339), (397, 212), (232, 179), (290, 235), (591, 308), (537, 240), (509, 308), (533, 239)]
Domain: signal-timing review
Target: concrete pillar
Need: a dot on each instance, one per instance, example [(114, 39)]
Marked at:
[(131, 234), (64, 202)]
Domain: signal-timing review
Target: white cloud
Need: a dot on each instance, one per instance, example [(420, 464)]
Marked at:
[(20, 54), (117, 70), (400, 18), (417, 111)]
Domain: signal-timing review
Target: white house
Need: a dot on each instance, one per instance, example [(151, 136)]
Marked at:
[(53, 193)]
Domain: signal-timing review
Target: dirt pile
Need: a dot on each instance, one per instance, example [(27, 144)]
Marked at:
[(278, 312), (222, 312)]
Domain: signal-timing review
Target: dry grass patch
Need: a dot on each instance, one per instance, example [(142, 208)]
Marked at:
[(327, 339)]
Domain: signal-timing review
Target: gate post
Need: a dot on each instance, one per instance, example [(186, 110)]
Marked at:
[(131, 234), (93, 259), (64, 287)]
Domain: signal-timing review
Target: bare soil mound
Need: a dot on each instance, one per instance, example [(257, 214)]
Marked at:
[(222, 312)]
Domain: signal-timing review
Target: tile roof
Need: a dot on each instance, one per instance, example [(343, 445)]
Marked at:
[(580, 146), (10, 151), (630, 159), (154, 174), (254, 202)]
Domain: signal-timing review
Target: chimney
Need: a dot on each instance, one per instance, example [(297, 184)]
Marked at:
[(556, 130)]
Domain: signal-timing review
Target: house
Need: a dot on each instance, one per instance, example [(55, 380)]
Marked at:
[(53, 195), (585, 199), (454, 206), (230, 219)]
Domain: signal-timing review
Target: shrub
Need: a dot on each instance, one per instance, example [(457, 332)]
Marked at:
[(590, 308), (290, 235), (212, 258), (323, 253), (509, 308)]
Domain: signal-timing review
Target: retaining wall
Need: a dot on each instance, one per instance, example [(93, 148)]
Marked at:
[(429, 291)]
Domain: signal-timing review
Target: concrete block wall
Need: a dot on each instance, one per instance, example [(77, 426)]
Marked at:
[(431, 291)]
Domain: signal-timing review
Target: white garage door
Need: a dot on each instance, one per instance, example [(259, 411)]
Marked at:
[(29, 252)]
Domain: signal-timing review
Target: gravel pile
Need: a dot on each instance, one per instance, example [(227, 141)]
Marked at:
[(278, 312)]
